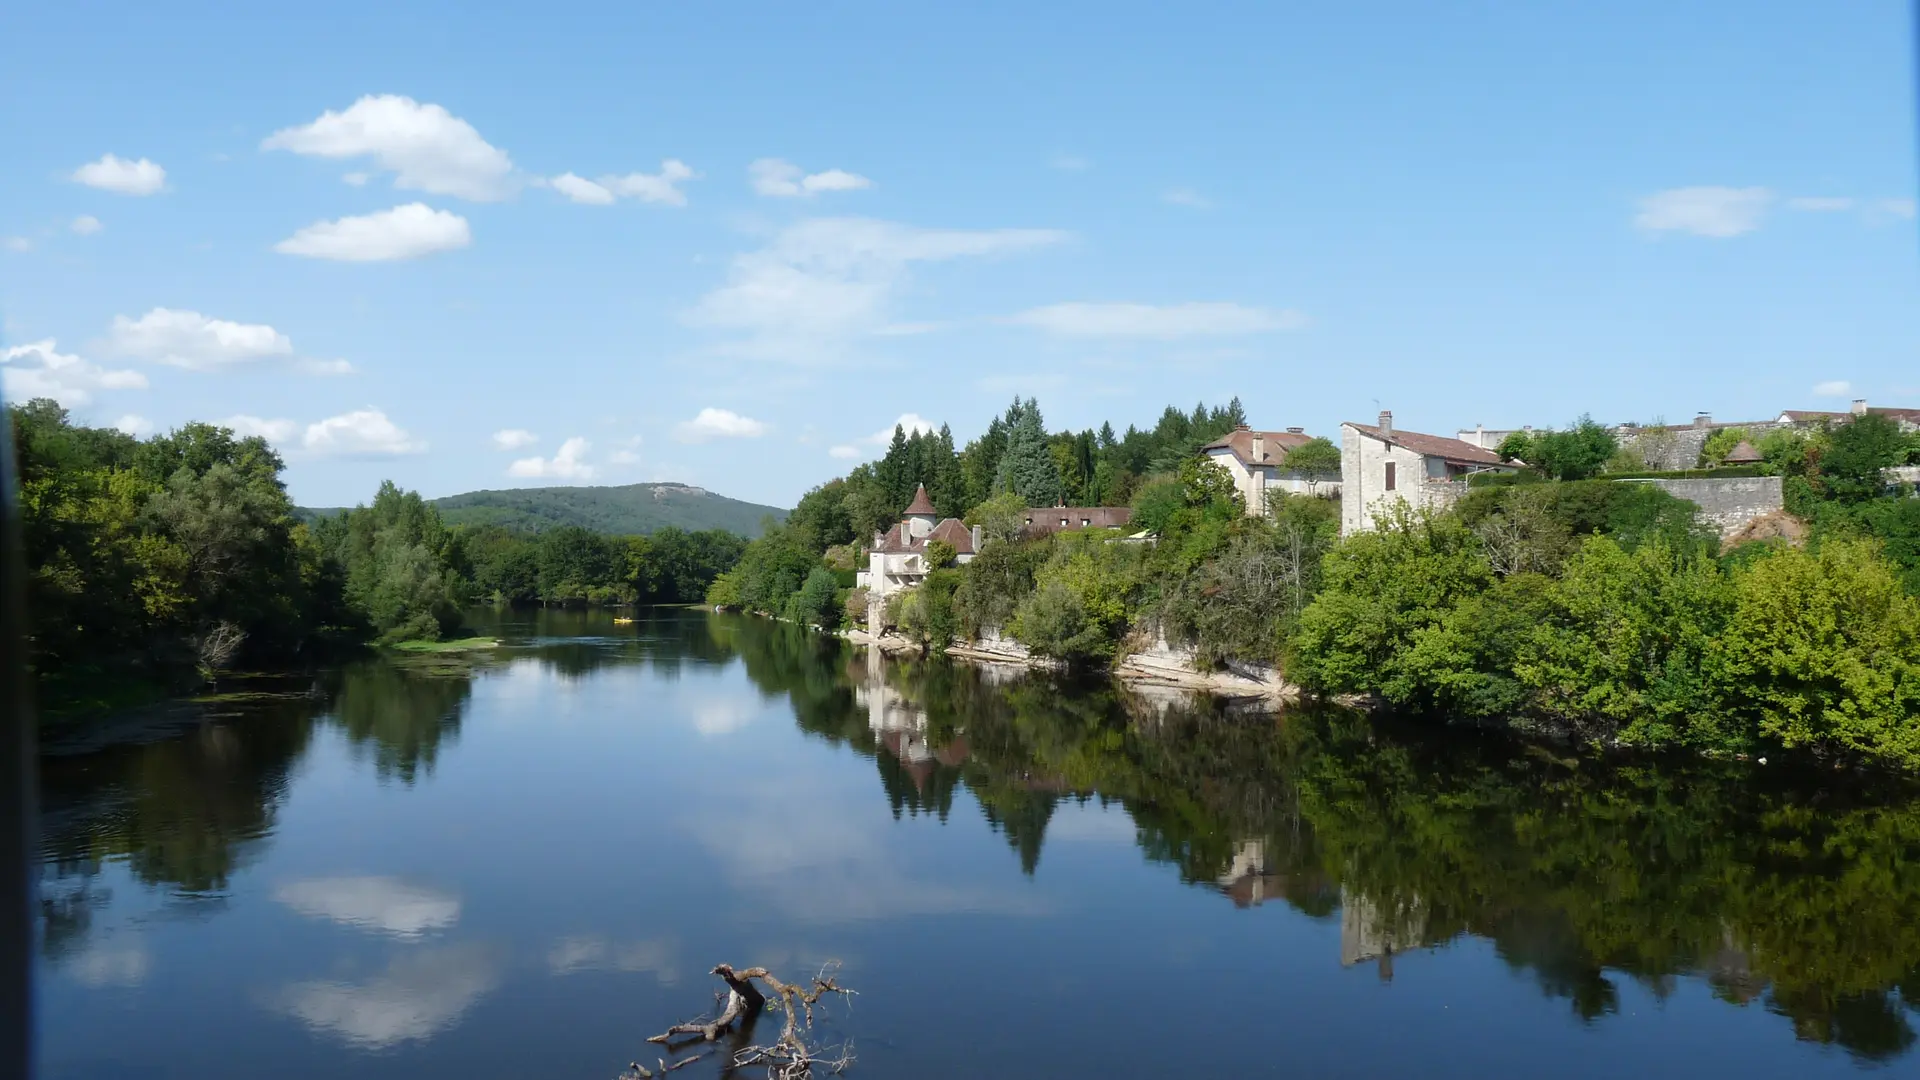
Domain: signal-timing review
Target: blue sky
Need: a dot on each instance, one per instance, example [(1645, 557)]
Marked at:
[(470, 246)]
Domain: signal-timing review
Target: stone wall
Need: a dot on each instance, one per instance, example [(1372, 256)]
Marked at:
[(1671, 449), (1727, 503)]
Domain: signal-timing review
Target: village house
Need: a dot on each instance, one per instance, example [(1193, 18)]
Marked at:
[(1257, 461), (1380, 465), (1044, 521)]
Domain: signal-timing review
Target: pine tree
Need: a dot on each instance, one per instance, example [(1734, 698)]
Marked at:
[(1027, 467), (895, 471)]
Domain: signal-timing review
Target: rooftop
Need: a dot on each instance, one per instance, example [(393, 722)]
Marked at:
[(1453, 450), (1273, 444)]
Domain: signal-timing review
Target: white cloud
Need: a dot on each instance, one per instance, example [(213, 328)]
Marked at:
[(355, 179), (191, 340), (1156, 321), (419, 994), (514, 438), (17, 243), (867, 446), (785, 180), (660, 187), (823, 281), (565, 465), (426, 147), (582, 190), (86, 225), (404, 232), (124, 177), (103, 965), (1187, 197), (623, 457), (1819, 204), (39, 369), (589, 953), (134, 425), (1718, 212), (274, 431), (385, 904), (1833, 388), (361, 433), (722, 716), (719, 424), (325, 367)]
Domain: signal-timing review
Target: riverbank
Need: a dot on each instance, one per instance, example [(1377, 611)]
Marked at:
[(1158, 665)]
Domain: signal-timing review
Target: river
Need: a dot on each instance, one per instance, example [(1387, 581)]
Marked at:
[(521, 863)]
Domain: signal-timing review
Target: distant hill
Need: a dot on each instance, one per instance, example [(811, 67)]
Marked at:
[(631, 508)]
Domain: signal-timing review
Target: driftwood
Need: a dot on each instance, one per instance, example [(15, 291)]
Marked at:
[(787, 1058)]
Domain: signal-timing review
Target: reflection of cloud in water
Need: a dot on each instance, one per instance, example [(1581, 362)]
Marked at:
[(1092, 824), (789, 843), (104, 965), (419, 994), (590, 953), (372, 903), (722, 715)]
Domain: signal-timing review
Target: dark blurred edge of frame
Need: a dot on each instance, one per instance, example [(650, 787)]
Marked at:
[(17, 774)]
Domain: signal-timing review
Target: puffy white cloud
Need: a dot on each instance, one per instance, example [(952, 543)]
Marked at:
[(869, 445), (117, 174), (823, 281), (419, 993), (1186, 197), (191, 340), (16, 243), (1718, 212), (567, 464), (514, 438), (1833, 388), (718, 424), (426, 147), (274, 431), (404, 232), (134, 425), (384, 904), (1156, 321), (361, 433), (581, 190), (39, 369), (783, 179), (85, 225)]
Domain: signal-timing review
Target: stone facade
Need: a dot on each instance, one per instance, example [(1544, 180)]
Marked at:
[(1380, 466), (1726, 503)]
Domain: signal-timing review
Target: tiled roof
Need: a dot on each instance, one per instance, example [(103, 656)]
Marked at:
[(955, 532), (921, 505), (900, 541), (1463, 453), (1743, 454), (1046, 519), (1240, 441), (1911, 416)]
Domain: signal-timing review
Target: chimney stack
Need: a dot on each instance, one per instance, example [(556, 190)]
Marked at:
[(1259, 446), (1701, 420), (1296, 431), (1859, 406), (1386, 422)]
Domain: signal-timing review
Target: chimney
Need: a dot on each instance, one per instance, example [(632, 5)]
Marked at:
[(1859, 406), (1259, 446), (976, 539), (1386, 422), (1296, 431), (1703, 420)]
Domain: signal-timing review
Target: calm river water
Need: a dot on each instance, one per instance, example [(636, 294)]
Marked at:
[(523, 864)]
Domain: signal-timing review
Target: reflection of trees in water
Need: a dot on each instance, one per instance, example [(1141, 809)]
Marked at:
[(402, 712), (1793, 893)]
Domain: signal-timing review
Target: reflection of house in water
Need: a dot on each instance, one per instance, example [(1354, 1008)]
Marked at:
[(1246, 881), (900, 729), (1369, 931)]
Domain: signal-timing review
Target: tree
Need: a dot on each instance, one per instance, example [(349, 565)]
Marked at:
[(1857, 454), (1517, 446), (1000, 518), (1027, 467), (1577, 453), (1719, 444), (1317, 459)]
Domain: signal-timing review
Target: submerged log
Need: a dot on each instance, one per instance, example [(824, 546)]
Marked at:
[(787, 1058)]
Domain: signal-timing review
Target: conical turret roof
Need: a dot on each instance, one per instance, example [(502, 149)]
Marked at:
[(922, 506)]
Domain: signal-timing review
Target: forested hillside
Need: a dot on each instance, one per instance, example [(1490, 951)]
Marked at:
[(628, 510)]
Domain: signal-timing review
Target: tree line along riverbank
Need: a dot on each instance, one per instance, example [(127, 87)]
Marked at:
[(154, 565), (1561, 601)]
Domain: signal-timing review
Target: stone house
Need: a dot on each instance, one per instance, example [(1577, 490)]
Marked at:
[(1046, 520), (1381, 465), (1908, 419), (1257, 461), (897, 561)]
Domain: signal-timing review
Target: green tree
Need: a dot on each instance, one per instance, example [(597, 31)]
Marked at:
[(1857, 454), (1027, 468)]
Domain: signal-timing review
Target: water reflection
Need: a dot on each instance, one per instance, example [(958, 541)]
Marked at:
[(1785, 893)]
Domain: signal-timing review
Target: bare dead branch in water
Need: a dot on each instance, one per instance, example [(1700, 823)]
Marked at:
[(787, 1058)]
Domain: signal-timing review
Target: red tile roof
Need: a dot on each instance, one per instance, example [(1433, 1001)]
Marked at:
[(899, 540), (1042, 520), (921, 505), (1462, 453), (1240, 441)]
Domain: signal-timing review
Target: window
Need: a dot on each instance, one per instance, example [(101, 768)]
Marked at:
[(1063, 523), (1085, 522), (1389, 476)]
